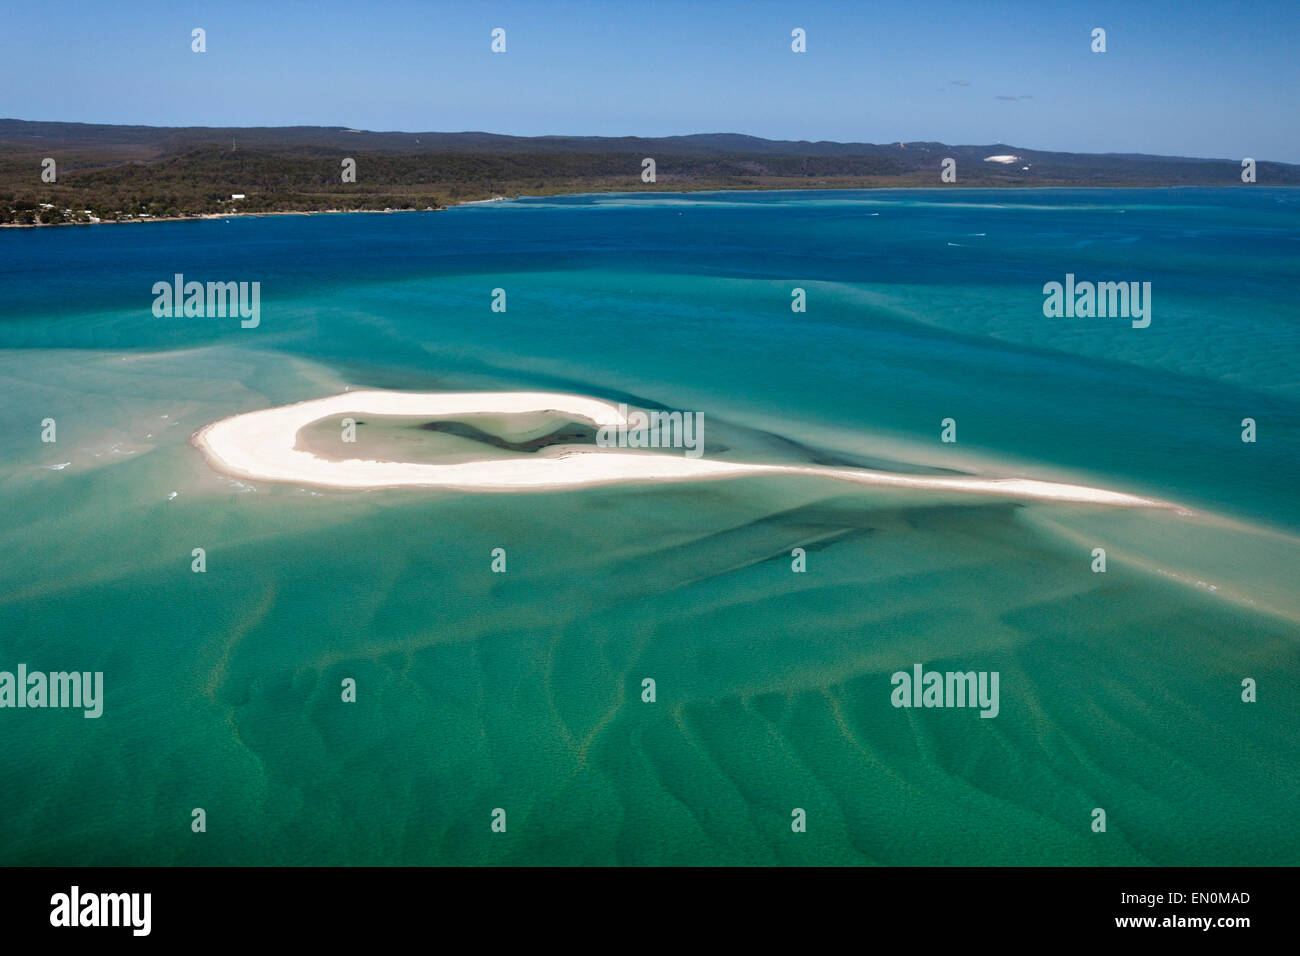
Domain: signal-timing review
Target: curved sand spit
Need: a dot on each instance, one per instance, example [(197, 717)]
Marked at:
[(260, 446)]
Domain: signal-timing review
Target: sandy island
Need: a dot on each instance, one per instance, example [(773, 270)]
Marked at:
[(260, 446)]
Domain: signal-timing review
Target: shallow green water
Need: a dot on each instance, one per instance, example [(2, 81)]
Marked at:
[(478, 690)]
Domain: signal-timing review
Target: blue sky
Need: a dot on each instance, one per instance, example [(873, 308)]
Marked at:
[(1189, 77)]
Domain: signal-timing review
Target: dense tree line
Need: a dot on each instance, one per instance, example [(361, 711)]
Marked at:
[(200, 180)]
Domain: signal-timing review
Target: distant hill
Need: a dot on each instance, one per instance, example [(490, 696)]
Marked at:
[(119, 172)]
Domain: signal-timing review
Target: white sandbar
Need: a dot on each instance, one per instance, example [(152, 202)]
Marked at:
[(260, 446)]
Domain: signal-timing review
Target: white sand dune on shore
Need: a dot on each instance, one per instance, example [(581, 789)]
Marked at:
[(260, 446)]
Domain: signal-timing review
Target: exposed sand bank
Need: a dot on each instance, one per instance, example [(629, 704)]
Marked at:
[(260, 446)]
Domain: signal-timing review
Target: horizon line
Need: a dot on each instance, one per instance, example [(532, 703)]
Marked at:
[(594, 136)]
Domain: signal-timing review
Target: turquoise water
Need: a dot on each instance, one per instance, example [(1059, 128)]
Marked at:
[(523, 690)]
